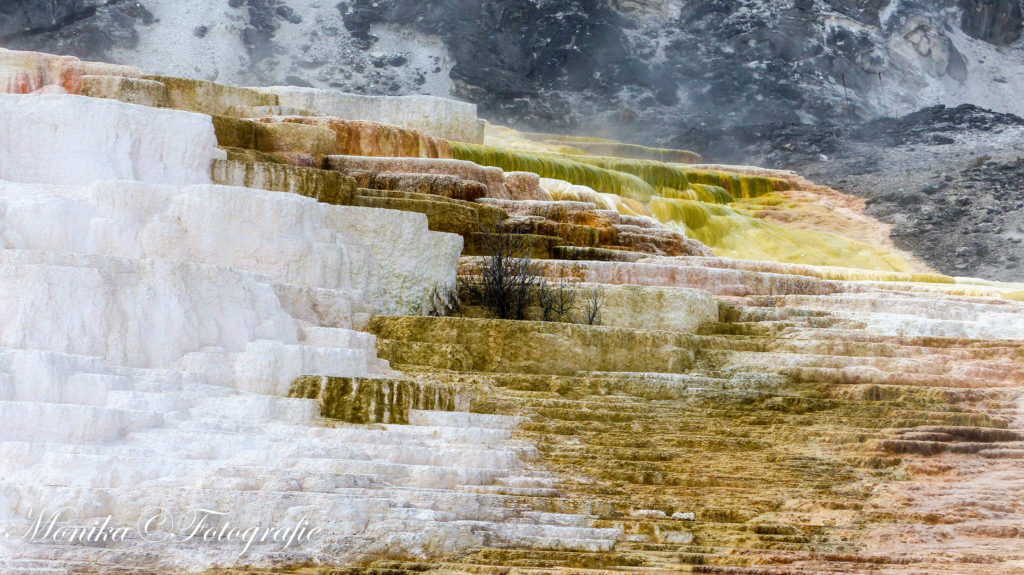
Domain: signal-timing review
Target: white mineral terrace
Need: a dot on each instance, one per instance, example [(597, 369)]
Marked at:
[(150, 323)]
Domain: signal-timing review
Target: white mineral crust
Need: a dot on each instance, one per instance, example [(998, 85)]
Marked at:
[(151, 322)]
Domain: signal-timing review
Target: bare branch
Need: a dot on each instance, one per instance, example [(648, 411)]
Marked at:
[(595, 303)]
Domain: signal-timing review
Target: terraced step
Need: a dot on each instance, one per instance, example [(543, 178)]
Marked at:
[(444, 356), (602, 254), (508, 346), (325, 186), (70, 422), (534, 246), (522, 558), (441, 216), (439, 185)]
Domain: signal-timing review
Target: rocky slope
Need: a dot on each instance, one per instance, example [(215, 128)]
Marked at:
[(646, 68)]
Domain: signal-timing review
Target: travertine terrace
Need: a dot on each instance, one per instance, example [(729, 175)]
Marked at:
[(235, 299)]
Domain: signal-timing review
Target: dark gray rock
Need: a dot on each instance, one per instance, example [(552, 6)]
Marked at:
[(641, 70), (615, 67), (84, 28), (995, 21)]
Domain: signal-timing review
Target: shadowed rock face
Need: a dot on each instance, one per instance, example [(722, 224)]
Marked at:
[(996, 21), (510, 50), (85, 28), (638, 63)]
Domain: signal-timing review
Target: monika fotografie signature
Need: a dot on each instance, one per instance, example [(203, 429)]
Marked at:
[(158, 525)]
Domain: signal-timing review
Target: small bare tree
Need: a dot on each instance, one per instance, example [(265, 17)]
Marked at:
[(504, 282), (595, 303), (555, 300)]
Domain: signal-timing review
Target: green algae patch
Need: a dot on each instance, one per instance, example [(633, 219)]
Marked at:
[(664, 176), (733, 233), (657, 174), (635, 152), (366, 400), (739, 185), (326, 186), (558, 168)]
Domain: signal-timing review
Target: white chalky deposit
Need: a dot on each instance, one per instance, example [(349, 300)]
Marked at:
[(64, 139), (150, 324)]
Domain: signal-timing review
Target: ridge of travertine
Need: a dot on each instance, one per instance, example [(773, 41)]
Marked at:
[(170, 343), (153, 322)]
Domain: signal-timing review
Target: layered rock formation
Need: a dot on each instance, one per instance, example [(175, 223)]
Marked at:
[(233, 307)]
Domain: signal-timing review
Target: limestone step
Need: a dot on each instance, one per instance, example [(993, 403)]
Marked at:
[(594, 254), (560, 542), (71, 423), (310, 476), (513, 347), (850, 376), (254, 112), (319, 336), (234, 447), (507, 490), (439, 186), (986, 371), (487, 214), (441, 216), (445, 356), (457, 419), (317, 438), (758, 328), (31, 567), (725, 282), (544, 560), (376, 400), (257, 408), (254, 169), (538, 247), (324, 337), (751, 313), (569, 234), (163, 402)]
